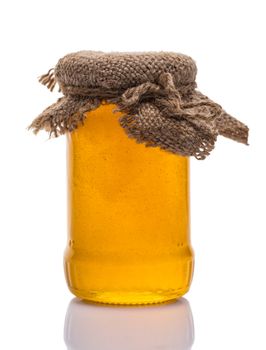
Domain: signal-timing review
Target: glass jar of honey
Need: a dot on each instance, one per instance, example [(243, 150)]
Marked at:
[(132, 120)]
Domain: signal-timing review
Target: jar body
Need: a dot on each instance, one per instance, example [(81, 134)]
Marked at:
[(128, 216)]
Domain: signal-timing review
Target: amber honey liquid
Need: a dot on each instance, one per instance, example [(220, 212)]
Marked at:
[(128, 211)]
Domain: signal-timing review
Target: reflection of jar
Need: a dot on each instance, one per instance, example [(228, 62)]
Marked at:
[(128, 216), (89, 326)]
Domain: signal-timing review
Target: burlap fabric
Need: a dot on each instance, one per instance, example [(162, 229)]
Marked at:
[(156, 91)]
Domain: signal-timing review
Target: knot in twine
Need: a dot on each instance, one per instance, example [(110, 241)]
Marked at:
[(156, 93), (165, 92)]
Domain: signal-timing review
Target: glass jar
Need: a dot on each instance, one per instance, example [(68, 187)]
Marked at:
[(128, 212)]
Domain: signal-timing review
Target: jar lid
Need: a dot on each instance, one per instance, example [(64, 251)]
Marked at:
[(156, 91), (118, 70)]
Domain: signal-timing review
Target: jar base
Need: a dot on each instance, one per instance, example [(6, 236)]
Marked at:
[(129, 298)]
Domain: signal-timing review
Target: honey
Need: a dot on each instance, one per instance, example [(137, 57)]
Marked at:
[(128, 216)]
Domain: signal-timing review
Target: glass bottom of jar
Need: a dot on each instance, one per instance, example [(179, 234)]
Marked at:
[(129, 298)]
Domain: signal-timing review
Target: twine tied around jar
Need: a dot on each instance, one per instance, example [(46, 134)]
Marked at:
[(156, 92)]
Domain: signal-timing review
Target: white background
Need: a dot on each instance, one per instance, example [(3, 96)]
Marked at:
[(227, 40)]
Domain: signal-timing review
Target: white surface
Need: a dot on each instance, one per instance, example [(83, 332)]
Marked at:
[(227, 39)]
